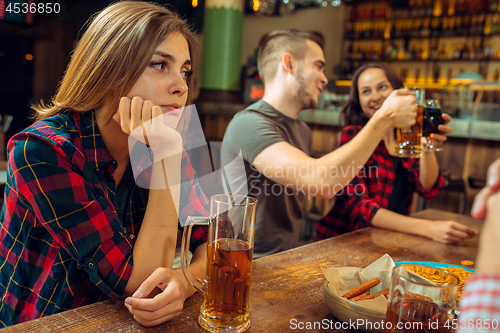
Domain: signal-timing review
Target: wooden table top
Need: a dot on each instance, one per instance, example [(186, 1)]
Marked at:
[(285, 286)]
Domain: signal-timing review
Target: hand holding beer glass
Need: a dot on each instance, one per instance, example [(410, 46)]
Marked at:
[(409, 139), (230, 243), (418, 305)]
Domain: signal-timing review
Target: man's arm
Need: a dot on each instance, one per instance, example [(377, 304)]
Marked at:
[(327, 175)]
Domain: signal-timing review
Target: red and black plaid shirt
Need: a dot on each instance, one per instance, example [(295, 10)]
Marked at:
[(62, 244), (358, 202)]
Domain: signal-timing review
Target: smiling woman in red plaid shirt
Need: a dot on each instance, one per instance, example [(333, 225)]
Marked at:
[(76, 227), (381, 194)]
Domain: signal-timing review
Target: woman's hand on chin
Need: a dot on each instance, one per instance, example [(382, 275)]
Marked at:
[(146, 122)]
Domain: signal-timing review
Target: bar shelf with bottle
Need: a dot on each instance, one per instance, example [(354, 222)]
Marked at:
[(470, 25), (424, 36)]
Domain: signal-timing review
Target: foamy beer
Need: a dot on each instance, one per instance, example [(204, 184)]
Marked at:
[(409, 139), (230, 243)]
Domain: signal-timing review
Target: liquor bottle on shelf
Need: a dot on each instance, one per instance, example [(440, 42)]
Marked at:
[(437, 9), (496, 75), (382, 11), (493, 6), (434, 52), (465, 26), (493, 24), (451, 7), (436, 73), (356, 30), (361, 54), (487, 26), (465, 52), (473, 52), (451, 26), (435, 27), (427, 8), (480, 24), (349, 30), (350, 52), (425, 32), (388, 30), (456, 52), (413, 8), (444, 31), (460, 7), (401, 52), (367, 32)]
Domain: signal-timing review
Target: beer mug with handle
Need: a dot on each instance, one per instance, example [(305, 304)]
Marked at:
[(422, 299), (409, 139), (230, 243)]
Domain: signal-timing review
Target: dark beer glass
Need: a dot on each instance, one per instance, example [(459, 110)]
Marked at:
[(433, 117)]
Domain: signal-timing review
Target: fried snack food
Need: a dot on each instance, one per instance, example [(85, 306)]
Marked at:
[(366, 293), (372, 296), (462, 276), (460, 273), (362, 288)]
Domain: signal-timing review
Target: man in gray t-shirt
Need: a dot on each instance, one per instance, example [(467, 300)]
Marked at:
[(276, 145), (254, 129)]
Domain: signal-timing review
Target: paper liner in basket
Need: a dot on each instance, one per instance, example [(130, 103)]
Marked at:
[(341, 280)]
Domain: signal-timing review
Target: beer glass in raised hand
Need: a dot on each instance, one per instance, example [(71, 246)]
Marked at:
[(409, 139)]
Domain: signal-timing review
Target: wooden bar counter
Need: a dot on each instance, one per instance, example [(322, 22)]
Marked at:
[(285, 286)]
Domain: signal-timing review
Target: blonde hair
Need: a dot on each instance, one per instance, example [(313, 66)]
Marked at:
[(111, 55)]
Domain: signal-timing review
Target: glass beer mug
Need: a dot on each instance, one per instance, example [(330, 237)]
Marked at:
[(418, 304), (230, 243), (409, 139)]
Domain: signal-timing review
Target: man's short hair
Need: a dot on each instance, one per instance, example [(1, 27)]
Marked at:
[(275, 44)]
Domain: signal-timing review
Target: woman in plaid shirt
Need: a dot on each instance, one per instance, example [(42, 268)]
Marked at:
[(77, 224), (381, 193)]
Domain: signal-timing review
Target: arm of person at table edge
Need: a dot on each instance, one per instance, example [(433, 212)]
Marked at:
[(193, 202), (441, 231), (158, 233), (175, 289), (480, 302), (167, 288), (398, 110)]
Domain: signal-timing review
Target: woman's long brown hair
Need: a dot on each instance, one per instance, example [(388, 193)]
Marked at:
[(111, 55)]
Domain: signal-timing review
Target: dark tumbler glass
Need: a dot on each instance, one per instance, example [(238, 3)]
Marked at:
[(433, 117)]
